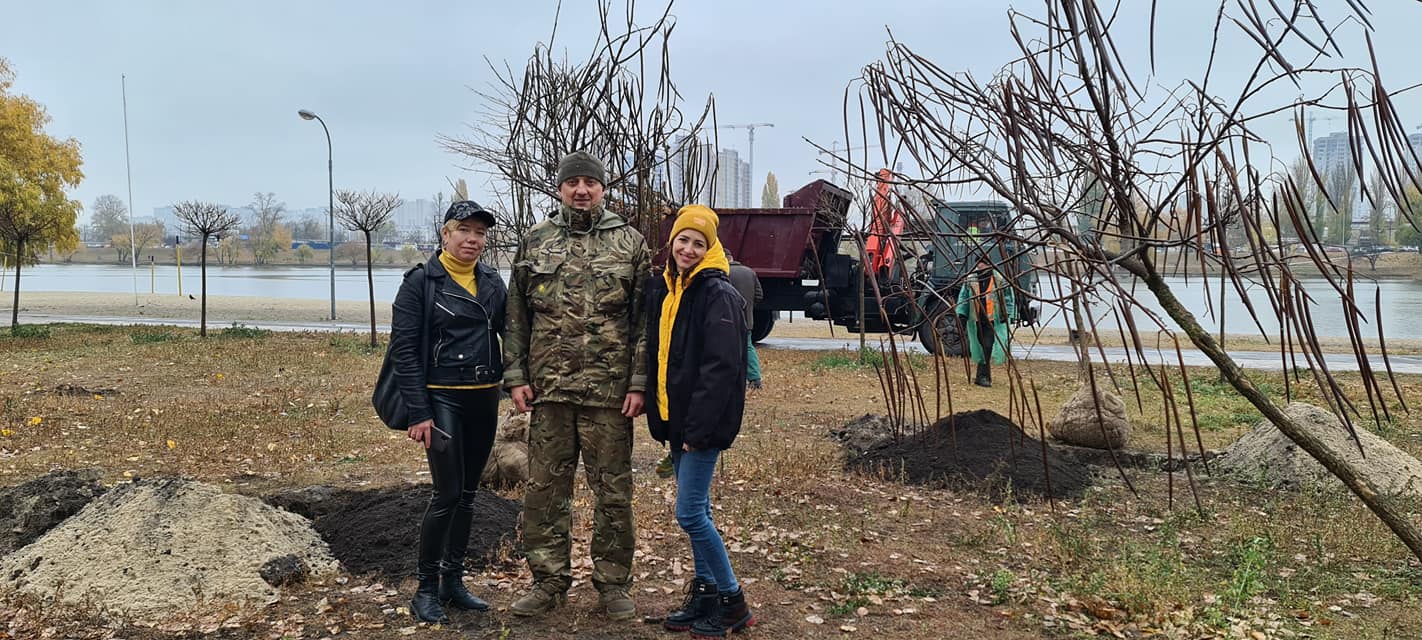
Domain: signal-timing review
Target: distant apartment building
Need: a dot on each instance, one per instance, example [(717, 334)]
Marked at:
[(731, 186)]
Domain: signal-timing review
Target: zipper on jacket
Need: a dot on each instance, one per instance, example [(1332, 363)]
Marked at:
[(488, 322)]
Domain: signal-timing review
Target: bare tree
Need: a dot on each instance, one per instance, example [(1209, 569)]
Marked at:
[(619, 104), (205, 220), (367, 213), (1069, 114)]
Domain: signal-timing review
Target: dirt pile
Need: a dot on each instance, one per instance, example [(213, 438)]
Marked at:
[(163, 546), (377, 530), (30, 509), (977, 450), (1266, 455)]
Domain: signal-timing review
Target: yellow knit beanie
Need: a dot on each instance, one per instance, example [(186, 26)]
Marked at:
[(698, 217)]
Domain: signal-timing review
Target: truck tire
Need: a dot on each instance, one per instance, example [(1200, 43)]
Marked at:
[(945, 325), (764, 322)]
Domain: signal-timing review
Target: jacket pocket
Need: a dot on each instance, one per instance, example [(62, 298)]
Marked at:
[(612, 284), (543, 291)]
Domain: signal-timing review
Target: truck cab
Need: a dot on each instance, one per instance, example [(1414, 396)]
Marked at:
[(964, 231)]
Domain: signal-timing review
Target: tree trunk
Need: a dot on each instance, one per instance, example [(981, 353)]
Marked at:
[(15, 308), (1385, 507), (370, 281), (202, 323)]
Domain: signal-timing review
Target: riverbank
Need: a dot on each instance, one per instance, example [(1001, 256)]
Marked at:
[(225, 310)]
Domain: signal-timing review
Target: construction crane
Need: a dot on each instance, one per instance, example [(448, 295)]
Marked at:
[(750, 159)]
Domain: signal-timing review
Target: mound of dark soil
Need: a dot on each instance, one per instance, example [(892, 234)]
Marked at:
[(977, 450), (378, 530), (30, 509)]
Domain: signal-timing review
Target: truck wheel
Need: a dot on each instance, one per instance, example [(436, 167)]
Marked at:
[(945, 325), (764, 322)]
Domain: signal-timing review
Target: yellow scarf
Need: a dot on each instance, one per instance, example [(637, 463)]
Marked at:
[(715, 258), (462, 272)]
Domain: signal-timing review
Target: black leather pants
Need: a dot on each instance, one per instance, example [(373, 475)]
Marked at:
[(471, 417)]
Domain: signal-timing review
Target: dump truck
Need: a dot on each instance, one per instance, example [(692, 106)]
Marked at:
[(807, 262)]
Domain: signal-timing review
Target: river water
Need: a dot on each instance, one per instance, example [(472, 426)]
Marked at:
[(1401, 299)]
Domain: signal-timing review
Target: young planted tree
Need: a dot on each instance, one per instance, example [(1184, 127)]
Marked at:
[(35, 170), (205, 220), (619, 104), (1070, 109), (367, 213)]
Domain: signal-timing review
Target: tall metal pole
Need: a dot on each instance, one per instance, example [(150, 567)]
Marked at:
[(128, 164), (330, 214), (750, 167), (331, 203)]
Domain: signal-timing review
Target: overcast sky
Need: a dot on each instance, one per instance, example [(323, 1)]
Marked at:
[(213, 87)]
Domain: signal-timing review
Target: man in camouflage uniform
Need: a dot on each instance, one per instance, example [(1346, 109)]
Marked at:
[(575, 354)]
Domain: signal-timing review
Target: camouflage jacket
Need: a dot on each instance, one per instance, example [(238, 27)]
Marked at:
[(576, 328)]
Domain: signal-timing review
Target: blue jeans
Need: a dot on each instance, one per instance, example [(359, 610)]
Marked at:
[(693, 512)]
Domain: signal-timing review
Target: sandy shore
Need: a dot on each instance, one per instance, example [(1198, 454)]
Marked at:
[(224, 310), (220, 309)]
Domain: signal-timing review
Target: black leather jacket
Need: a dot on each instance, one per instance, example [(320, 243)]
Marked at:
[(442, 335), (706, 363)]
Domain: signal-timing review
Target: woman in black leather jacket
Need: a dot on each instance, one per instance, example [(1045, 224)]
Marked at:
[(448, 316)]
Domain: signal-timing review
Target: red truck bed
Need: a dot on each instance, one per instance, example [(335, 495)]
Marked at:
[(774, 242)]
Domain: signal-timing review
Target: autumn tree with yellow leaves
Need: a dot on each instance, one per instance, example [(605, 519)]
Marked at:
[(36, 169)]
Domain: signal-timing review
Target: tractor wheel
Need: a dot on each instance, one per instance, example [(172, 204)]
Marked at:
[(943, 326), (764, 322)]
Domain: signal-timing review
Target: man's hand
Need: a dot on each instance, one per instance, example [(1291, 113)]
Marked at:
[(633, 403), (522, 398), (420, 432)]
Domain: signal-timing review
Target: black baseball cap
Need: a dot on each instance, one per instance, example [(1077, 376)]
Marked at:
[(465, 209)]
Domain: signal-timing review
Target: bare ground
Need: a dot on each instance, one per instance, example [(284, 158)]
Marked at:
[(824, 553)]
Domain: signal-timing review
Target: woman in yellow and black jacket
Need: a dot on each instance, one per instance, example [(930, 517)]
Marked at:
[(444, 341), (695, 398)]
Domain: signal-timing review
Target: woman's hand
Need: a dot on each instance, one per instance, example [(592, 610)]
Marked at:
[(686, 447), (420, 432)]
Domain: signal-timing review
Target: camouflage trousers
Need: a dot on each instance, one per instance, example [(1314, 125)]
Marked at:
[(557, 433)]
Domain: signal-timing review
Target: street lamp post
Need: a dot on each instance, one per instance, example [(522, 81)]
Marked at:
[(331, 204)]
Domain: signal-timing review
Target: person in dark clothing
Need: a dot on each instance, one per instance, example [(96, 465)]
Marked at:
[(696, 397), (447, 321), (988, 309), (748, 285)]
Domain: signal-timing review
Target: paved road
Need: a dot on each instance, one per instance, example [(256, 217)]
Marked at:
[(1060, 353)]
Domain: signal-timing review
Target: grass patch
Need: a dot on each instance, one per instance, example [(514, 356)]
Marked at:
[(865, 358), (30, 331), (238, 330), (354, 343), (153, 336)]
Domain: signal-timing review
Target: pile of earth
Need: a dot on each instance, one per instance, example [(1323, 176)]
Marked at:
[(972, 450), (30, 509), (163, 546), (377, 530), (1265, 455)]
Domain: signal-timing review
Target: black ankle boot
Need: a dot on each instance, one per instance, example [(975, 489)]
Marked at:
[(700, 599), (729, 615), (984, 378), (425, 606), (452, 592)]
